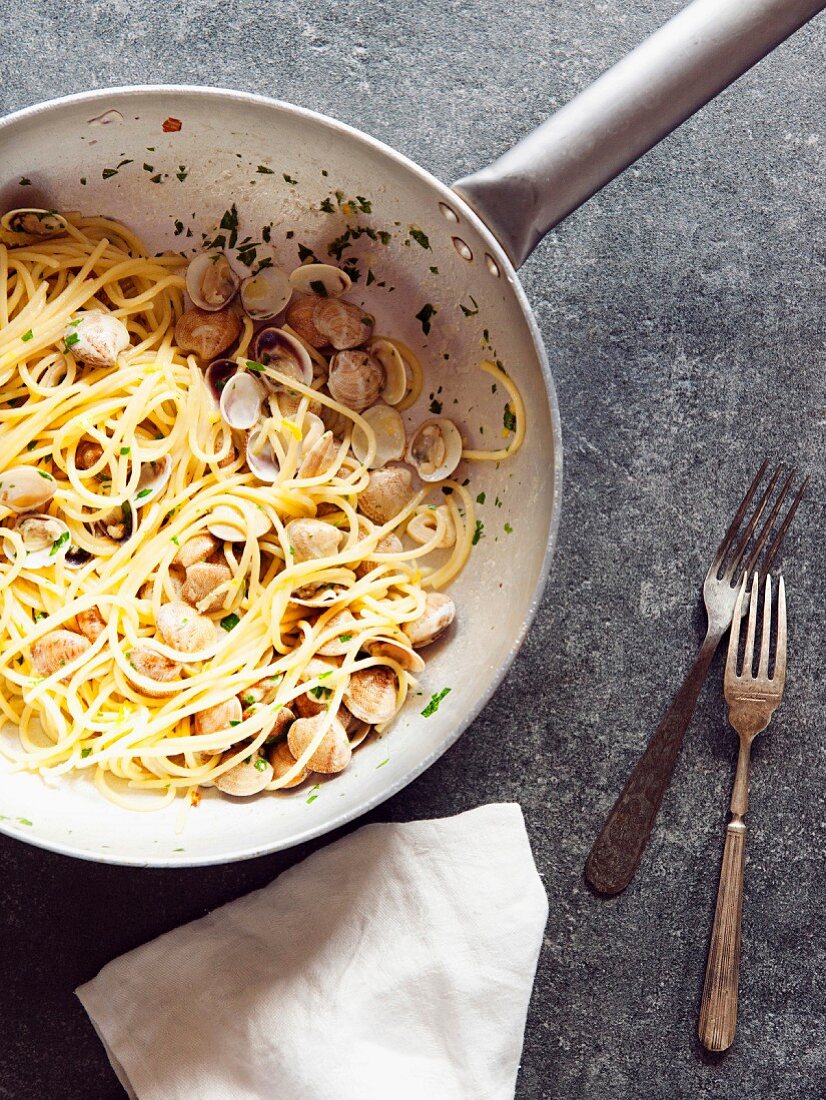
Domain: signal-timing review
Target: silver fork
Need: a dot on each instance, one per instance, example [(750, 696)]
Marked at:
[(752, 700), (617, 851)]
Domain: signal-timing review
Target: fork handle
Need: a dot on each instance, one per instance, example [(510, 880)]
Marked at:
[(618, 849), (718, 1009)]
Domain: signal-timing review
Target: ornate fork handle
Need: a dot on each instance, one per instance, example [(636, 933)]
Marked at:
[(617, 851)]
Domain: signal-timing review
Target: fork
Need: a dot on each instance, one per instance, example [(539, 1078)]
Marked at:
[(752, 700), (617, 851)]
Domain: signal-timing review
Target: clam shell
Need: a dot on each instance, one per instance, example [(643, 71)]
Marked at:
[(396, 651), (232, 524), (31, 222), (210, 281), (26, 488), (333, 751), (342, 324), (438, 614), (277, 349), (435, 449), (148, 662), (241, 400), (247, 778), (388, 428), (91, 623), (217, 718), (388, 492), (96, 338), (261, 458), (184, 629), (153, 480), (355, 380), (45, 538), (318, 458), (198, 548), (371, 694), (299, 316), (313, 429), (207, 334), (318, 595), (266, 293), (283, 761), (202, 587), (395, 370), (312, 538), (322, 280), (216, 376), (56, 649)]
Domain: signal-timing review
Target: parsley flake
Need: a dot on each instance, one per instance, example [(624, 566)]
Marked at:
[(479, 533), (419, 236), (435, 700), (229, 622), (27, 336), (424, 317), (509, 419)]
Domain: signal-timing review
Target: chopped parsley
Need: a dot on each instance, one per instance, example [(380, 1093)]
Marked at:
[(313, 793), (419, 236), (58, 542), (25, 181), (179, 228), (70, 341), (235, 722), (321, 692), (345, 637), (480, 499), (229, 622), (149, 167), (256, 368), (424, 316), (371, 278), (435, 407), (264, 171), (470, 312), (318, 288), (47, 477), (509, 419), (182, 172), (260, 764), (508, 529), (85, 752), (435, 700), (479, 533), (143, 493), (109, 172), (305, 253), (327, 206), (289, 179), (27, 336), (38, 615), (385, 761), (125, 450)]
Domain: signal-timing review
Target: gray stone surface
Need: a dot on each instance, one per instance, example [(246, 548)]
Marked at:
[(683, 311)]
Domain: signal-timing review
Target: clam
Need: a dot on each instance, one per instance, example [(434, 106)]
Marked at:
[(87, 454), (371, 694), (435, 449), (322, 280), (396, 651), (210, 281), (283, 761), (76, 557), (356, 379), (333, 752), (207, 334), (355, 729), (266, 293), (153, 480), (183, 629), (388, 492), (312, 538), (388, 428), (313, 429), (222, 716), (233, 524), (318, 595), (96, 338), (241, 400), (33, 223), (283, 720), (118, 525), (216, 376), (320, 457), (202, 580), (198, 548), (277, 349), (45, 540), (26, 488), (300, 317), (342, 324), (344, 624), (395, 371), (390, 544), (422, 527), (261, 458), (56, 649), (247, 778), (91, 623), (439, 612), (336, 422), (152, 665)]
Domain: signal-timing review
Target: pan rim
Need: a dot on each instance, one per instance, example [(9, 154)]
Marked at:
[(123, 92)]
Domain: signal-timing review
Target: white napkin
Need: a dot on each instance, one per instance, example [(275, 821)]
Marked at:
[(395, 964)]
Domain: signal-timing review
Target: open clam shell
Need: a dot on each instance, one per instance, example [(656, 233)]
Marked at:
[(277, 349), (322, 280), (240, 401), (216, 376), (26, 488), (266, 294), (152, 481), (210, 281), (388, 428), (118, 526), (234, 523), (435, 449), (395, 371), (261, 458), (45, 540), (31, 222)]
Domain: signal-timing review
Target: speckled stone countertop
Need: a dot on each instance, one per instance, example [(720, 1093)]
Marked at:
[(683, 309)]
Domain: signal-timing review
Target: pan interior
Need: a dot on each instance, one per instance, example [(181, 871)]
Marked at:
[(431, 265)]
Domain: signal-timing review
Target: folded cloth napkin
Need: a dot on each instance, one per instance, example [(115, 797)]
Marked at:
[(396, 963)]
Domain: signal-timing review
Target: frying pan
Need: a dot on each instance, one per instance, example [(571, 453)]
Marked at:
[(122, 152)]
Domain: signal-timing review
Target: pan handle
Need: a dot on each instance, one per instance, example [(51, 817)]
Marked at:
[(624, 113)]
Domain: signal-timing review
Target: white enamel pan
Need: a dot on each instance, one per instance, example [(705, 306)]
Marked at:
[(109, 152)]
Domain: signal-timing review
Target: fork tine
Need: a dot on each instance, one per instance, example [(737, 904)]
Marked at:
[(728, 537), (780, 653), (765, 531), (748, 652), (734, 637), (752, 524), (784, 526), (763, 668)]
